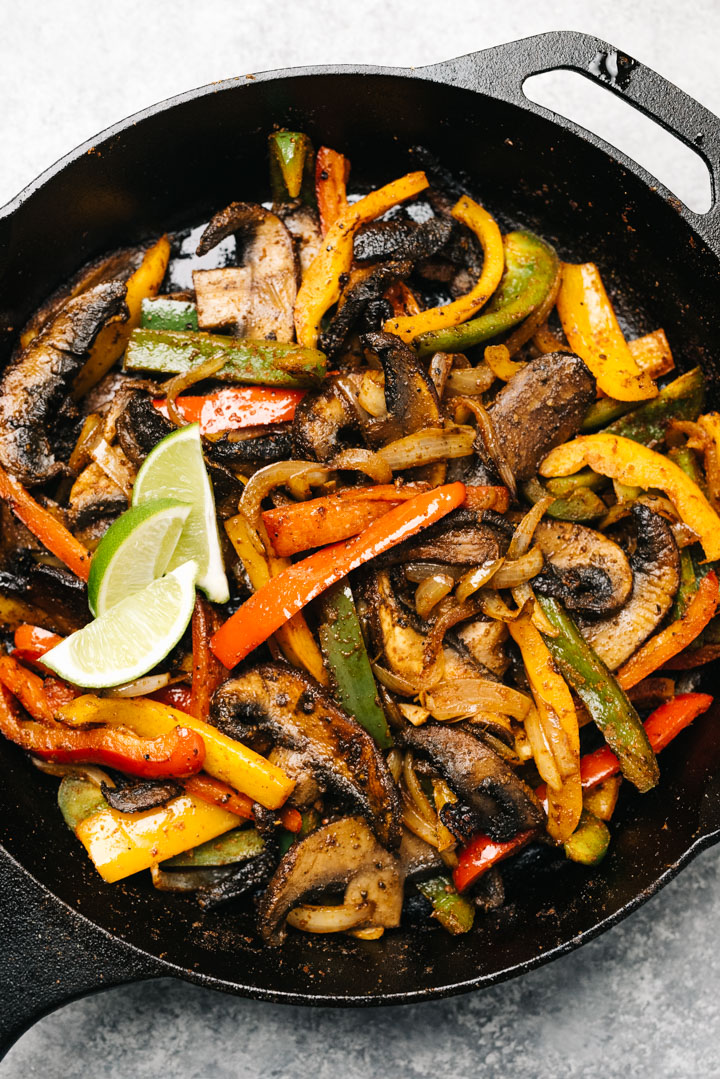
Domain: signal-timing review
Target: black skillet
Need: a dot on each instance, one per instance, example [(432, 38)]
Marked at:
[(62, 932)]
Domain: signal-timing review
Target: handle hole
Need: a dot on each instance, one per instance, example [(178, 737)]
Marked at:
[(578, 98)]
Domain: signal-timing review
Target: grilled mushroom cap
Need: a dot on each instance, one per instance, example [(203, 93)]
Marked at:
[(584, 569), (297, 713)]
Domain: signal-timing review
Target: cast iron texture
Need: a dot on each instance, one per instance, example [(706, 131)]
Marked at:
[(65, 933)]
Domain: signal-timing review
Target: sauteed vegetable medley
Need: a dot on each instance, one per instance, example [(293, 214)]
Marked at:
[(348, 547)]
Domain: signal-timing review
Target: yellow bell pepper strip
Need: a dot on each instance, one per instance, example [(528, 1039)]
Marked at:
[(637, 466), (321, 285), (113, 338), (120, 844), (452, 314), (653, 354), (294, 639), (531, 270), (285, 595), (554, 703), (332, 172), (593, 331), (225, 758), (674, 638), (51, 532), (664, 724)]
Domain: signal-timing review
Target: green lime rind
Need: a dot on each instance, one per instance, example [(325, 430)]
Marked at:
[(131, 637), (135, 550), (175, 469)]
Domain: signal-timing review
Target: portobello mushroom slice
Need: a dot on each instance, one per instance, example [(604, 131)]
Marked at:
[(462, 538), (135, 797), (499, 802), (656, 575), (300, 715), (485, 641), (320, 421), (258, 298), (298, 766), (35, 390), (365, 285), (540, 407), (401, 239), (57, 593), (303, 224), (343, 852), (94, 496), (583, 568), (410, 395)]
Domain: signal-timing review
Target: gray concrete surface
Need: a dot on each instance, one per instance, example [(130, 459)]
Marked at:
[(641, 1001)]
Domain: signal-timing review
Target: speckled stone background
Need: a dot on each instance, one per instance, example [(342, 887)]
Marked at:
[(644, 1000)]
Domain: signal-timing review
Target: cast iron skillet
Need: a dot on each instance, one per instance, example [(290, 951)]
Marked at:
[(63, 932)]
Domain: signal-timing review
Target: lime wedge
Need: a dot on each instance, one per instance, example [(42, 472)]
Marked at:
[(175, 469), (131, 637), (135, 551)]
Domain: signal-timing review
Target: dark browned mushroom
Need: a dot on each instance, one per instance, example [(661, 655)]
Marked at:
[(583, 568), (462, 538), (344, 852), (297, 713), (320, 421), (35, 390), (499, 802), (136, 797), (93, 496), (256, 299), (410, 395), (540, 407), (364, 286), (656, 575), (401, 239), (50, 595)]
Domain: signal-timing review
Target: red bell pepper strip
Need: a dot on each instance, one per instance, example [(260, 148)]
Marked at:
[(207, 672), (332, 172), (675, 637), (181, 752), (220, 794), (179, 697), (44, 526), (481, 853), (235, 407), (34, 642), (59, 693), (283, 596)]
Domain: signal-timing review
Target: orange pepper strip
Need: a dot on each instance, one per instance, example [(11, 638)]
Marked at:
[(402, 300), (321, 286), (291, 819), (470, 213), (675, 637), (592, 328), (554, 703), (34, 640), (27, 687), (44, 526), (481, 853), (217, 793), (332, 172), (637, 466), (319, 522), (207, 672), (285, 595), (652, 354)]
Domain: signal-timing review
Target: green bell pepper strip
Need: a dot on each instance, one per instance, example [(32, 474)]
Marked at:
[(687, 588), (580, 504), (681, 399), (235, 846), (687, 460), (454, 912), (264, 363), (310, 821), (531, 268), (589, 842), (603, 412), (291, 166), (566, 485), (347, 661), (599, 691), (78, 798), (161, 313)]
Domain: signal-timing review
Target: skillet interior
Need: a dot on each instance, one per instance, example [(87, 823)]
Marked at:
[(171, 170)]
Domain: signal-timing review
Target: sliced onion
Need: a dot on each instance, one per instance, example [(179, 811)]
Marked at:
[(114, 464), (141, 687), (394, 682), (413, 713), (327, 919), (365, 461), (476, 578), (262, 482), (542, 754), (85, 771), (467, 695), (520, 570), (419, 571), (428, 446), (430, 591), (439, 368), (412, 785), (522, 537), (371, 932), (394, 761), (90, 433), (491, 443), (492, 605), (416, 824), (469, 382), (178, 383), (371, 395), (557, 739), (442, 796)]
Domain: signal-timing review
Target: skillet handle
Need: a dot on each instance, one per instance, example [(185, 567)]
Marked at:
[(502, 70), (50, 955)]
